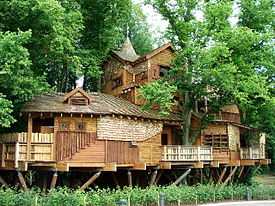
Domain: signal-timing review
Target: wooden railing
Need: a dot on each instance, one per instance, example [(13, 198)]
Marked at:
[(252, 153), (233, 117), (14, 147), (186, 153), (70, 142)]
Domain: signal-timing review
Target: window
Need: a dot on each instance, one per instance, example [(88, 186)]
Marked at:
[(117, 82), (163, 71), (164, 139), (80, 126), (64, 126)]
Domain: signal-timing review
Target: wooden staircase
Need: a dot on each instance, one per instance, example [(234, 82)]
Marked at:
[(70, 144)]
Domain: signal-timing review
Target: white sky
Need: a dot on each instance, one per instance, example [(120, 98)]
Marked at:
[(158, 25)]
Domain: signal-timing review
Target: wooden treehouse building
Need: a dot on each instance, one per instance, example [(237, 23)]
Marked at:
[(109, 132)]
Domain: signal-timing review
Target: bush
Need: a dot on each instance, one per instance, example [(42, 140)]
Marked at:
[(137, 196)]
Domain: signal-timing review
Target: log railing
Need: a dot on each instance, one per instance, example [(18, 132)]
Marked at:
[(70, 142), (186, 153), (14, 147), (252, 153), (233, 117)]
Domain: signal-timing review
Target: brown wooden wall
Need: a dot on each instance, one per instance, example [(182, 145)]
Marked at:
[(150, 150)]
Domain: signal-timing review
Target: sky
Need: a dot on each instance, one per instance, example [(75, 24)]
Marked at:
[(158, 25)]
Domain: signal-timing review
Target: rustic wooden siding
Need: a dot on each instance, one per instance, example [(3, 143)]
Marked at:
[(90, 123), (233, 137), (121, 152), (150, 150), (231, 108), (112, 128), (215, 129)]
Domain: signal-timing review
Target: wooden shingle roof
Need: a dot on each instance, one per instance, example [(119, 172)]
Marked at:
[(101, 104)]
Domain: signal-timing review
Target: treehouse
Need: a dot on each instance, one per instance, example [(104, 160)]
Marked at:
[(100, 132)]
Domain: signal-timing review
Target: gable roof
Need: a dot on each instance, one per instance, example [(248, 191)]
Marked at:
[(101, 104), (76, 90)]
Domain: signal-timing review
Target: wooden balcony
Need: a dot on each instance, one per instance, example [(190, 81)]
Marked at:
[(186, 153), (14, 147), (252, 153), (227, 116)]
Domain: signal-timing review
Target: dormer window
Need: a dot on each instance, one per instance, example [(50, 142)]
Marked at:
[(77, 97)]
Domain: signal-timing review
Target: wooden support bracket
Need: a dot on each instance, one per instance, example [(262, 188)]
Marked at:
[(158, 177), (241, 172), (222, 175), (90, 181), (230, 175), (54, 180), (3, 182), (153, 178), (22, 181), (182, 177)]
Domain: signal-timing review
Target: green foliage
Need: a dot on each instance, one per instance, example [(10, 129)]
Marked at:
[(139, 33), (159, 93), (18, 82), (225, 63), (137, 196)]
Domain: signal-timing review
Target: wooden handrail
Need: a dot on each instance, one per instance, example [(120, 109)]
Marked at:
[(233, 117), (70, 142), (186, 153), (252, 153)]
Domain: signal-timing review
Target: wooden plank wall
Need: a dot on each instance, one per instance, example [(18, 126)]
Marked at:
[(150, 150), (121, 152)]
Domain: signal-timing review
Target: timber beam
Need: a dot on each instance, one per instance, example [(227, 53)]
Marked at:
[(90, 181), (182, 177), (3, 182), (158, 177), (22, 181), (241, 172), (222, 175), (130, 178), (153, 178), (54, 180), (230, 175)]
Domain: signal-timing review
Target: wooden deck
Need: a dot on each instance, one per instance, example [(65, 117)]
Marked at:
[(252, 153)]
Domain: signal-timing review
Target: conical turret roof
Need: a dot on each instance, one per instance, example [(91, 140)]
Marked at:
[(127, 51)]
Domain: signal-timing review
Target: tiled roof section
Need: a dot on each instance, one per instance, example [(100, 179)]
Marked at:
[(101, 104), (127, 52)]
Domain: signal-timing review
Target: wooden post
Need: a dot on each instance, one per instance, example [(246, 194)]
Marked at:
[(29, 137), (90, 181), (45, 183), (158, 177), (3, 182), (22, 181), (54, 180), (16, 155), (115, 179), (153, 177), (183, 176), (241, 172), (3, 155), (230, 175), (222, 175), (130, 180)]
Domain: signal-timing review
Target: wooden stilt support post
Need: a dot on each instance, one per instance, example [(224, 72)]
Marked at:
[(22, 181), (222, 175), (3, 182), (115, 179), (158, 177), (45, 183), (130, 180), (54, 180), (241, 172), (230, 175), (153, 177), (182, 177), (90, 181)]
